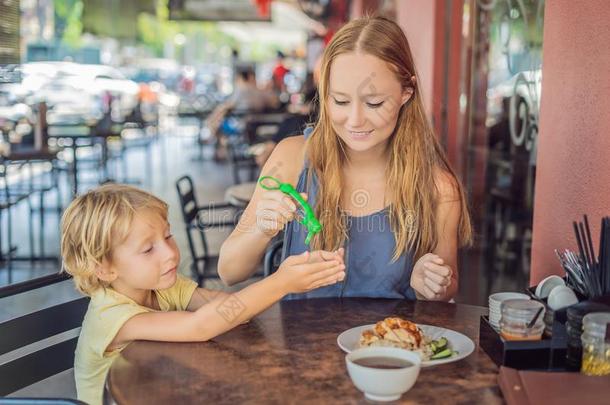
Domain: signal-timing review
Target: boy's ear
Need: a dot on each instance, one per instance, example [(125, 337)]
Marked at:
[(105, 272)]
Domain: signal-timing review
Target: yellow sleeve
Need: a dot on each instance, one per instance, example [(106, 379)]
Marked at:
[(108, 314), (178, 296)]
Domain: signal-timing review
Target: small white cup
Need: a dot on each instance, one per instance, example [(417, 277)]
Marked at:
[(560, 297), (495, 300), (380, 384), (547, 285)]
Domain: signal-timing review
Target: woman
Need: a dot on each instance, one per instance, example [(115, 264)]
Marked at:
[(375, 173)]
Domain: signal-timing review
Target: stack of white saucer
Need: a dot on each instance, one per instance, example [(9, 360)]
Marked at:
[(495, 302)]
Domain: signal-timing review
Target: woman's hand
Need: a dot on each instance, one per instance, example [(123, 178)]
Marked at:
[(431, 277), (273, 211), (305, 272)]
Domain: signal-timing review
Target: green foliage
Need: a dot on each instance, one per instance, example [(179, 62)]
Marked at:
[(68, 21), (155, 30)]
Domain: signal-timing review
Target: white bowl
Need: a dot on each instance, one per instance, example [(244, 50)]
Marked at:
[(380, 384), (560, 297), (496, 299), (545, 287)]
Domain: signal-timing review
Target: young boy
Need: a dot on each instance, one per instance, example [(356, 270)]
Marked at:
[(117, 245)]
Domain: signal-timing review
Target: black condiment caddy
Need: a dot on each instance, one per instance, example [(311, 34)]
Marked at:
[(560, 348)]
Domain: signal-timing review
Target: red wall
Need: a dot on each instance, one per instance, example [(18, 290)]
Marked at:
[(573, 173), (435, 35), (420, 30)]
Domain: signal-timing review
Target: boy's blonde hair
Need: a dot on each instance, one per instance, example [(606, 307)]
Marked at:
[(94, 224)]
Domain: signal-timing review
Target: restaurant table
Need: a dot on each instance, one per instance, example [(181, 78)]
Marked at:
[(80, 136), (289, 354), (240, 195)]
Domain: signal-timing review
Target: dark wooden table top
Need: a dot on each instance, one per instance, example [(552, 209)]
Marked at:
[(30, 153), (289, 354)]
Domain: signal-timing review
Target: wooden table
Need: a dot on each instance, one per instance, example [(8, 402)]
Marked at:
[(289, 354)]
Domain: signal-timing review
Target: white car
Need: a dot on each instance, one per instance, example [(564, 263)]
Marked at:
[(99, 79)]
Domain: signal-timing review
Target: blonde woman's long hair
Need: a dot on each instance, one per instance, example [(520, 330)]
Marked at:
[(415, 155)]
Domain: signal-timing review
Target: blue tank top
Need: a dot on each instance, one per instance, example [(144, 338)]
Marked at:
[(369, 249)]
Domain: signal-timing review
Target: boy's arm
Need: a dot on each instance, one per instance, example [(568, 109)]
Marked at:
[(224, 312), (202, 296)]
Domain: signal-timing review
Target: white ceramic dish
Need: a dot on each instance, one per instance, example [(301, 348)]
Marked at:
[(544, 288), (380, 384), (348, 341)]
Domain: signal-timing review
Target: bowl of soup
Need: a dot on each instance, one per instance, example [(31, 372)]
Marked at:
[(383, 373)]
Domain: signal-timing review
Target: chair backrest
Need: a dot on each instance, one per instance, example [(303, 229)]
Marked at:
[(40, 401), (240, 159), (190, 215), (24, 369), (188, 200), (273, 257)]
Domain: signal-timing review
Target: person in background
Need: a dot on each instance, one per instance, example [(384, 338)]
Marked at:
[(293, 125), (247, 98), (279, 73)]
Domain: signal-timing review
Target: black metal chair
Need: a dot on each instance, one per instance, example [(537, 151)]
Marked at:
[(196, 223), (238, 147), (133, 137), (41, 362), (273, 256), (25, 173), (40, 401), (240, 159), (40, 167), (9, 198)]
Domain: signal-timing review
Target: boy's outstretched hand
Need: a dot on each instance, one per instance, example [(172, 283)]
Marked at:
[(308, 271), (323, 255)]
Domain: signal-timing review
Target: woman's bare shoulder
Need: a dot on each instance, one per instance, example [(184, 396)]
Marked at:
[(447, 186)]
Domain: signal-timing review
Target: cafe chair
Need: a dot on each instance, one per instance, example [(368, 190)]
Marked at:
[(273, 256), (9, 198), (38, 176), (40, 401), (49, 354), (199, 218), (131, 138), (240, 159)]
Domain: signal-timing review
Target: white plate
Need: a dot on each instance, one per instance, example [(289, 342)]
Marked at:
[(348, 341)]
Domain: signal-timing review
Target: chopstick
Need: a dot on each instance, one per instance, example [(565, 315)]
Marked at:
[(604, 254), (573, 272), (586, 272), (579, 242), (590, 242)]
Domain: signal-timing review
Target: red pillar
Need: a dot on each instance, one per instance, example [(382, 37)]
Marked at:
[(417, 20), (435, 35), (573, 170)]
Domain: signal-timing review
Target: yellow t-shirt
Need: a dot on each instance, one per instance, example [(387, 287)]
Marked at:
[(107, 313)]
